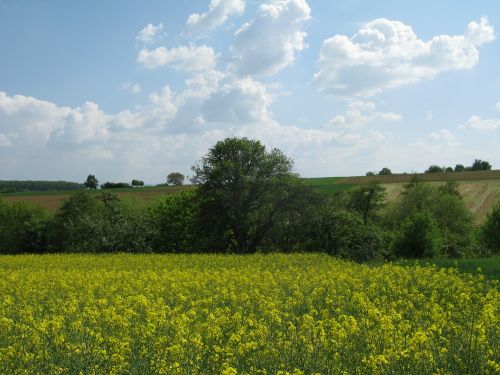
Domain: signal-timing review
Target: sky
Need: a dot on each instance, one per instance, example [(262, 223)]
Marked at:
[(128, 90)]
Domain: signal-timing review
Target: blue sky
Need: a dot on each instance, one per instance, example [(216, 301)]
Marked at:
[(126, 89)]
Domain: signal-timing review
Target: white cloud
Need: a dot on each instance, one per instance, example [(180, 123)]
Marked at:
[(385, 54), (429, 115), (362, 112), (478, 123), (86, 123), (497, 106), (183, 58), (270, 42), (134, 88), (218, 12), (444, 136), (149, 33), (239, 102)]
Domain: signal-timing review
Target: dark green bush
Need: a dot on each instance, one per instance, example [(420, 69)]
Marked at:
[(418, 237), (490, 230), (23, 228)]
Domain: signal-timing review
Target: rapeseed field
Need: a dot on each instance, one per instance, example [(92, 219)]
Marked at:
[(258, 314)]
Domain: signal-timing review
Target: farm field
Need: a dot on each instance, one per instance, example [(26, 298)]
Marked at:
[(479, 189), (53, 200), (210, 314)]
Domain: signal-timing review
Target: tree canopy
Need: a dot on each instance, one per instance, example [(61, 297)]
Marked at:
[(243, 188), (91, 182), (175, 178)]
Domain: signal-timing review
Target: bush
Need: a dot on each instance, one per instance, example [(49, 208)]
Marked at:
[(172, 223), (115, 185), (23, 228), (103, 223), (342, 233), (418, 238), (446, 208), (490, 230)]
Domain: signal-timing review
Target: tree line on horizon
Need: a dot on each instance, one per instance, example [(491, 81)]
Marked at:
[(477, 165), (248, 199)]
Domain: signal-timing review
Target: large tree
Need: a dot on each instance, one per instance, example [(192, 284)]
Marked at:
[(243, 189), (91, 182), (175, 178)]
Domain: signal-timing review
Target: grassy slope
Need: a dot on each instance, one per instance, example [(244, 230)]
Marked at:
[(479, 189)]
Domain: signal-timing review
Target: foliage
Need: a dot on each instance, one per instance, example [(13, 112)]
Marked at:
[(419, 237), (434, 169), (243, 188), (115, 185), (367, 200), (385, 172), (100, 224), (274, 314), (480, 165), (459, 168), (343, 234), (19, 186), (92, 182), (450, 187), (22, 228), (175, 178), (172, 223), (490, 231), (137, 183), (370, 173), (444, 206)]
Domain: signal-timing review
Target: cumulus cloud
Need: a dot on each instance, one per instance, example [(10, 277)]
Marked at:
[(478, 123), (361, 113), (218, 12), (270, 42), (385, 54), (172, 130), (183, 58), (134, 88), (149, 33), (238, 102), (444, 136)]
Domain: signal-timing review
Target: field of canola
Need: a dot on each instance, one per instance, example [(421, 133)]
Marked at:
[(259, 314)]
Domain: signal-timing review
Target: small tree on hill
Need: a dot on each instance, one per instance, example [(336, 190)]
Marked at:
[(480, 165), (385, 172), (434, 169), (175, 178), (137, 183), (91, 182)]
